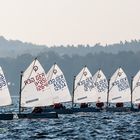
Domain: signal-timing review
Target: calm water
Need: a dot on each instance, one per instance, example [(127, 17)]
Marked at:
[(77, 126)]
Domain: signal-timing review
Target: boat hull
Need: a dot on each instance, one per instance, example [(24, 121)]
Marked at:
[(88, 109), (135, 110), (118, 109), (49, 115), (6, 116), (91, 109), (59, 111), (72, 110)]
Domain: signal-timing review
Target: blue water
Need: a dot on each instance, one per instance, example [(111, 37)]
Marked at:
[(100, 125)]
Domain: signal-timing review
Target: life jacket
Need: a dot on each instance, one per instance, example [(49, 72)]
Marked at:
[(37, 110), (83, 105), (99, 104), (58, 106), (138, 106), (119, 104)]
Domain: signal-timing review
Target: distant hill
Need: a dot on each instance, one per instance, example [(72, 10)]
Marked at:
[(14, 48)]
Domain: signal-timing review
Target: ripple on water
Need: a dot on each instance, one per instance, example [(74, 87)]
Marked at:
[(83, 126)]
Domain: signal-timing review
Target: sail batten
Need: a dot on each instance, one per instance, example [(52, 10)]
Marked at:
[(119, 89), (35, 91), (58, 85), (5, 98)]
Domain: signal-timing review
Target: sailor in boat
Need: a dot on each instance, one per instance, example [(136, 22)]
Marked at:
[(83, 105), (99, 104), (58, 106), (138, 106), (37, 110), (120, 104)]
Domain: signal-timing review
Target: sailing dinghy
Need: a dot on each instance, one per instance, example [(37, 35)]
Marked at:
[(34, 92), (119, 91), (83, 92), (59, 90), (135, 92), (100, 88), (5, 98)]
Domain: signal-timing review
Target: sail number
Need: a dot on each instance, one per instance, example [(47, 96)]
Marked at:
[(59, 82), (39, 80), (2, 81), (101, 85), (87, 83), (122, 84), (137, 84)]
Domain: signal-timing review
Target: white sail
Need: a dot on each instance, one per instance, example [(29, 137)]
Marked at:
[(83, 92), (136, 89), (119, 89), (35, 91), (58, 85), (101, 86), (5, 98)]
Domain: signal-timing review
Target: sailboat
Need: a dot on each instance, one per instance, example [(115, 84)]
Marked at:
[(100, 88), (59, 90), (135, 91), (34, 92), (83, 92), (5, 98), (119, 91)]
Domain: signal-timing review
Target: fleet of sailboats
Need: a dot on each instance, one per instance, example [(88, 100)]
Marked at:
[(47, 93)]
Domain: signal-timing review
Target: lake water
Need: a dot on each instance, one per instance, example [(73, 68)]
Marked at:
[(83, 126)]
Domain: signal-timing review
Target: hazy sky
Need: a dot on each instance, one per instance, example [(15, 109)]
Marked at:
[(70, 21)]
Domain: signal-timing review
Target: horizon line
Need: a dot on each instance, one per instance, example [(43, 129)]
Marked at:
[(70, 44)]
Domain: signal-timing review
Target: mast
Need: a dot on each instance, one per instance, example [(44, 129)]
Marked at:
[(73, 91), (131, 92), (20, 91), (108, 92)]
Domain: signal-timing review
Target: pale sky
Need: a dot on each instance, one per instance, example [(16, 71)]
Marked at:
[(56, 22)]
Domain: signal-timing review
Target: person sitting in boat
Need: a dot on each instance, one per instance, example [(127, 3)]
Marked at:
[(99, 104), (120, 104), (83, 105), (58, 106), (37, 110), (138, 106)]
